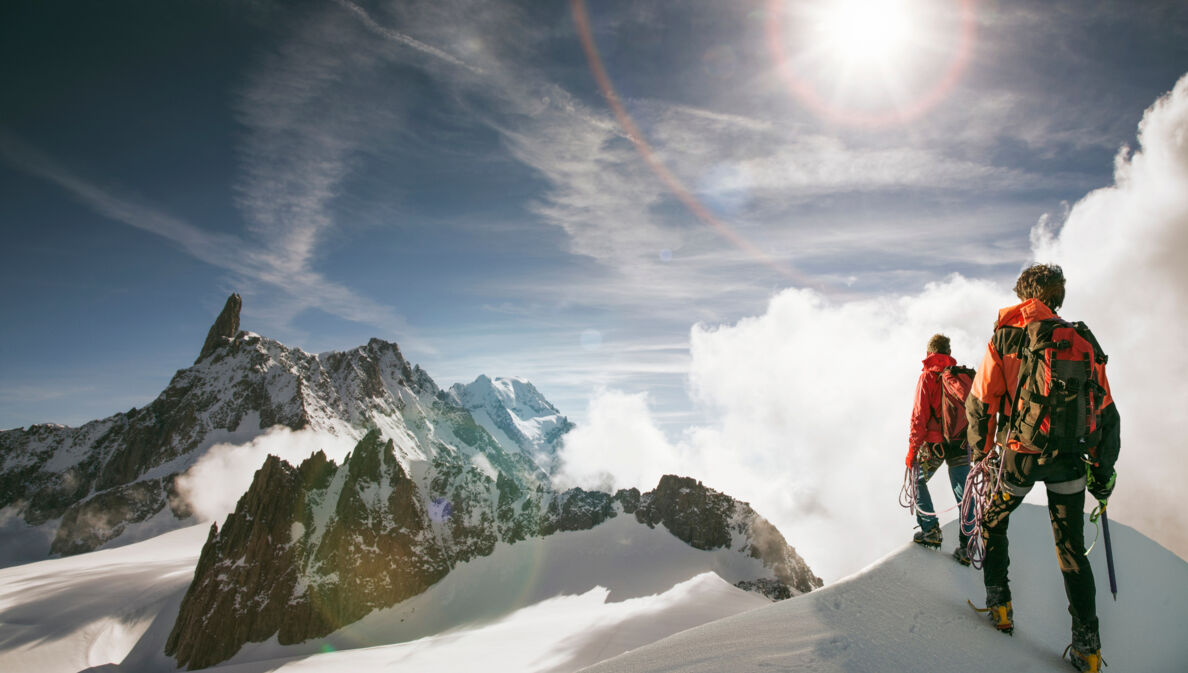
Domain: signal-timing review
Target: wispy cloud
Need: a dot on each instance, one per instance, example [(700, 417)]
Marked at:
[(291, 275)]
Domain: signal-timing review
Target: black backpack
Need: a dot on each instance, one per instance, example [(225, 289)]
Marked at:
[(1056, 404)]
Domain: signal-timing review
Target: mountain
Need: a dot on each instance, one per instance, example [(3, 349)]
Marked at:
[(71, 490), (514, 412), (313, 548), (574, 599), (436, 480)]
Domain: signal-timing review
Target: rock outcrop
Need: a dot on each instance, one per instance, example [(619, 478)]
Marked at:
[(708, 519), (307, 551), (225, 327)]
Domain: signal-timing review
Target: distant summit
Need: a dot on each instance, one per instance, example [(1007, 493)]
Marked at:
[(516, 415)]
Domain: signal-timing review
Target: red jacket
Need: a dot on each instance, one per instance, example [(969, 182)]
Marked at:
[(926, 410)]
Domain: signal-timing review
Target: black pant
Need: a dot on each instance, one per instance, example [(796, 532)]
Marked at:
[(1064, 479)]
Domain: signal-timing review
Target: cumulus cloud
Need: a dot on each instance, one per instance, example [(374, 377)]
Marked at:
[(806, 410), (619, 446), (215, 483), (805, 407), (1124, 250)]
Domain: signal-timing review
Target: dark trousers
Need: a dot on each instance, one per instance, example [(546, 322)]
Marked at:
[(1066, 504)]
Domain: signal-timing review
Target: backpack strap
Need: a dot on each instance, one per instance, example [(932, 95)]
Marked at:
[(1083, 330)]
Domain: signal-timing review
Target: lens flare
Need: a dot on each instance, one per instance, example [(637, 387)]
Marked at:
[(870, 63), (581, 19)]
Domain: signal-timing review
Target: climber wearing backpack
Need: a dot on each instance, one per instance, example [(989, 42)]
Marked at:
[(1041, 410), (938, 436)]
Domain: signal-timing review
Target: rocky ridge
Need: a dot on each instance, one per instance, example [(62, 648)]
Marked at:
[(312, 548)]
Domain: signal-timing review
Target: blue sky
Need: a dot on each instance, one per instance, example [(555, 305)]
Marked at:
[(449, 175)]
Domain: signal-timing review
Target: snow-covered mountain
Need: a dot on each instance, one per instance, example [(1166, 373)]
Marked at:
[(70, 490), (574, 599), (314, 548), (436, 480), (514, 412)]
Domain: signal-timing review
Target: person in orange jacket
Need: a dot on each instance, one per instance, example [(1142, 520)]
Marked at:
[(927, 447), (990, 405)]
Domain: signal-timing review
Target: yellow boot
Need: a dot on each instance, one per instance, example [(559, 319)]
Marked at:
[(1084, 662)]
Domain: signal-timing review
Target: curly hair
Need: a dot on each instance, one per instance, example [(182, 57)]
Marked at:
[(939, 343), (1044, 282)]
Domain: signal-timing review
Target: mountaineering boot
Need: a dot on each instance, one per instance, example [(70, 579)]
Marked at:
[(1002, 617), (930, 538), (960, 555), (1084, 662)]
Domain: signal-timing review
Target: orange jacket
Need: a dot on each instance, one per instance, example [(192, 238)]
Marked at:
[(926, 409), (998, 377)]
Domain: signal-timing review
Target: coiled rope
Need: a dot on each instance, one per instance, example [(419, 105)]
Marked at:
[(910, 492), (984, 480)]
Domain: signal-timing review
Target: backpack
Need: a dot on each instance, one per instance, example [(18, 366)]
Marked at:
[(1056, 403), (955, 384)]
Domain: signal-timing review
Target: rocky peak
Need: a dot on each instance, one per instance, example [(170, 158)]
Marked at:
[(708, 519), (307, 551), (698, 515), (225, 327)]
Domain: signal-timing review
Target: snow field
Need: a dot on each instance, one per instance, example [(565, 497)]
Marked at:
[(908, 612)]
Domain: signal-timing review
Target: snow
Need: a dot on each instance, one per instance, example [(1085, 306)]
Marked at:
[(82, 611), (581, 598), (908, 612)]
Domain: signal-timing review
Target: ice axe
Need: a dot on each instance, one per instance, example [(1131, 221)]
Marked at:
[(1105, 533), (1100, 511)]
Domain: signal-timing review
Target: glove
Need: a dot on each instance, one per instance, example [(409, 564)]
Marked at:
[(1102, 485)]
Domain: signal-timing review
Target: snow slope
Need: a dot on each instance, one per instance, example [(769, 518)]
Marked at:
[(907, 612), (555, 605), (546, 604)]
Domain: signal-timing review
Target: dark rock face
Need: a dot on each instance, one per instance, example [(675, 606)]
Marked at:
[(690, 511), (225, 327), (88, 524), (307, 551), (707, 519)]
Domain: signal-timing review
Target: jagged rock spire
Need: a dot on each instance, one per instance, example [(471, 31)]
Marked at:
[(225, 327)]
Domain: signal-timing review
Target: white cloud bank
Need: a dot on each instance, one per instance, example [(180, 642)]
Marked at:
[(215, 483), (807, 405)]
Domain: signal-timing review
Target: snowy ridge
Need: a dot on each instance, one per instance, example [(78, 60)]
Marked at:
[(576, 599), (908, 612), (311, 549)]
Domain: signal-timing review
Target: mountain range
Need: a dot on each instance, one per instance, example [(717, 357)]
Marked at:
[(436, 479)]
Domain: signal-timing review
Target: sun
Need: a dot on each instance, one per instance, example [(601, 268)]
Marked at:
[(866, 34), (870, 62)]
